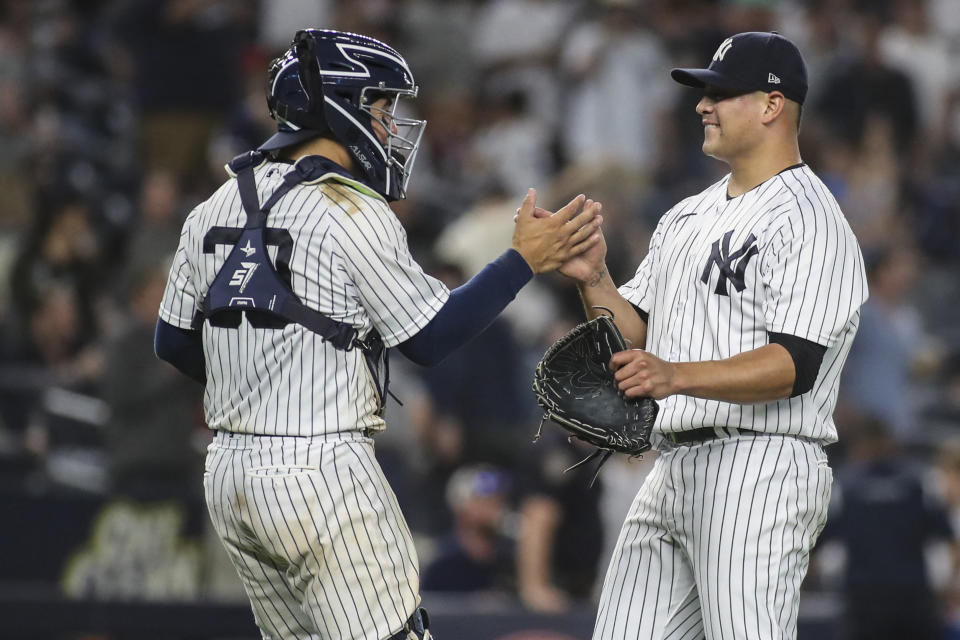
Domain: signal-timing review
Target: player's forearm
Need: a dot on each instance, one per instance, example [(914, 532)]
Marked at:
[(469, 310), (760, 375), (600, 291)]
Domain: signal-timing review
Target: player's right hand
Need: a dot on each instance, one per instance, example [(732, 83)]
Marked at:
[(548, 241), (588, 265)]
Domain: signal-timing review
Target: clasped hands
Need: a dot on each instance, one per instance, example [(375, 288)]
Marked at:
[(571, 241), (548, 240)]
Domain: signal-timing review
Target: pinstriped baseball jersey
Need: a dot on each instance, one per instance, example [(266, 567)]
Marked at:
[(723, 272), (309, 522), (350, 261)]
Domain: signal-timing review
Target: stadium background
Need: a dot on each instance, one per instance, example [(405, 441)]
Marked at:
[(116, 117)]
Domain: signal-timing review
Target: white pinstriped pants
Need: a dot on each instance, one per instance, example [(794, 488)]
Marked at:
[(315, 534), (717, 542)]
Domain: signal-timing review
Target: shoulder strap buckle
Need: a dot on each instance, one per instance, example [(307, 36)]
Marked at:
[(247, 159)]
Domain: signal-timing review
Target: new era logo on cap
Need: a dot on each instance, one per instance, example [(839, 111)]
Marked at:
[(752, 61)]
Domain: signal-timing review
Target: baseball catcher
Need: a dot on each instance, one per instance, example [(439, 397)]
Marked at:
[(577, 390)]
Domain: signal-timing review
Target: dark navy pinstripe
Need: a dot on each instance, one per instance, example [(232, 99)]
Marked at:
[(315, 533), (808, 280), (718, 539), (685, 570), (350, 261), (292, 485)]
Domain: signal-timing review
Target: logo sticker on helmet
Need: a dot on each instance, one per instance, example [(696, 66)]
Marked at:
[(361, 158)]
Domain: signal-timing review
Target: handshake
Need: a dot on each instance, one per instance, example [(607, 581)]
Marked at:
[(569, 240)]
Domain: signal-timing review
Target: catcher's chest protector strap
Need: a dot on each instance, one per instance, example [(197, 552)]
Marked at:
[(249, 284)]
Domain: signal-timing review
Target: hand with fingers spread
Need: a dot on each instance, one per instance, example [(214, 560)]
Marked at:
[(548, 242), (640, 373)]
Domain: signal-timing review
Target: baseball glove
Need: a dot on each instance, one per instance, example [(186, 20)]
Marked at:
[(577, 390)]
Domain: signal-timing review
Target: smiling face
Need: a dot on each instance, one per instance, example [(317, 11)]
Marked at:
[(731, 122)]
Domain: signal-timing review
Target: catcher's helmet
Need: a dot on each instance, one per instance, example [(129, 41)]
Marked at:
[(326, 83)]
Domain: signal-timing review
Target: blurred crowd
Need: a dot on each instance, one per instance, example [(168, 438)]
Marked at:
[(116, 117)]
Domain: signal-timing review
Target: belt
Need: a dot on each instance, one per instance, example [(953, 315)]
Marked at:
[(703, 434), (336, 435)]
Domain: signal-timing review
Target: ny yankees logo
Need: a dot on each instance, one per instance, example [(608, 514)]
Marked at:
[(721, 256), (722, 49)]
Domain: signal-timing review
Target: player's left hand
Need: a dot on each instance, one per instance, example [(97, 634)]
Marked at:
[(584, 266), (640, 373)]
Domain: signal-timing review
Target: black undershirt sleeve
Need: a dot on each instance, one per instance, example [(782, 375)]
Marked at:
[(183, 348), (643, 314), (807, 357)]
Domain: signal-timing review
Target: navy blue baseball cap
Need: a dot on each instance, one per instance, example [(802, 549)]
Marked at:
[(752, 61)]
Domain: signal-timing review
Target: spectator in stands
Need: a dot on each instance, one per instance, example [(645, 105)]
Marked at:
[(154, 411), (884, 517), (477, 406), (911, 44), (618, 105), (186, 56), (561, 533), (475, 555), (61, 249), (516, 44), (53, 405), (512, 145), (865, 84), (157, 232), (892, 349)]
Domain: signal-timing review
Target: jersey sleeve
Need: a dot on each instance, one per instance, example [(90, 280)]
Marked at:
[(640, 289), (180, 304), (813, 274), (396, 293)]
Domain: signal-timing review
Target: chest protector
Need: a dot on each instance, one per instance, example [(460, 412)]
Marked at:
[(248, 284)]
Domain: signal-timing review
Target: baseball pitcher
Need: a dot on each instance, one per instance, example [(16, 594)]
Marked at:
[(745, 308)]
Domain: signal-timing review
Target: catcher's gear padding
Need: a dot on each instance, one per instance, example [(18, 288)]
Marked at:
[(578, 391)]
